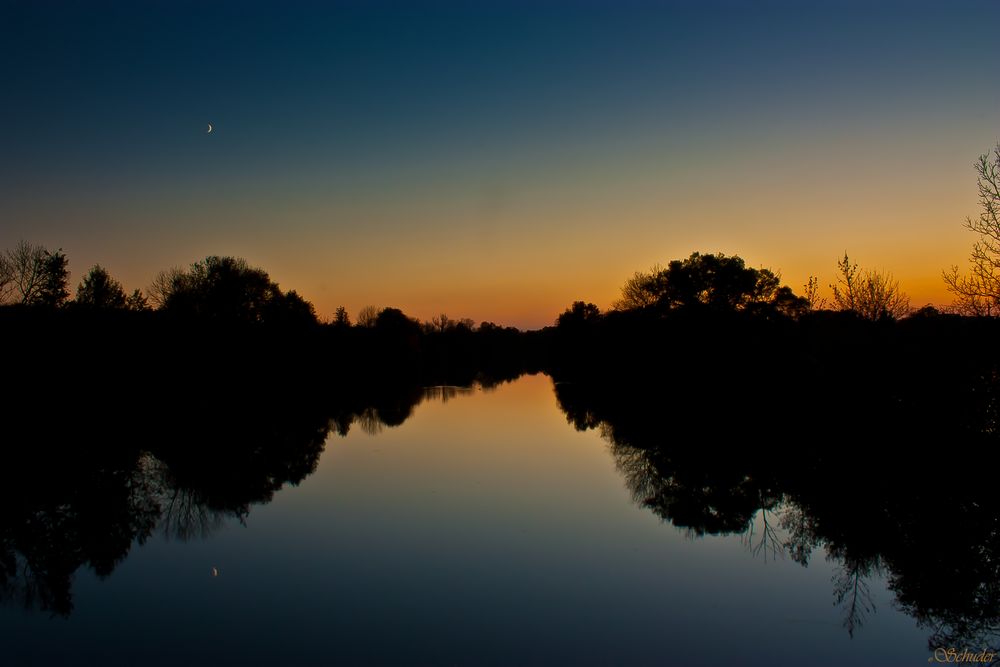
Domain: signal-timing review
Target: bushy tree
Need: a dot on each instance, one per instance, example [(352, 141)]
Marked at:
[(978, 291), (289, 308), (393, 324), (227, 288), (100, 290), (579, 314), (717, 282), (55, 282)]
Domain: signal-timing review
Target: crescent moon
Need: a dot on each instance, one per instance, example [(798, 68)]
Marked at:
[(209, 129)]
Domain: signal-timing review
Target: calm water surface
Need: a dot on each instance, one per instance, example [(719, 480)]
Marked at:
[(483, 530)]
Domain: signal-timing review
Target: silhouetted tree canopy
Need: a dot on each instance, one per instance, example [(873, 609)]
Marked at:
[(442, 323), (368, 315), (100, 290), (32, 275), (163, 285), (228, 289), (579, 313), (55, 283), (718, 282), (393, 320), (136, 301), (341, 318)]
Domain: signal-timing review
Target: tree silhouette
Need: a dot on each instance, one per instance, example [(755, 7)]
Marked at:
[(228, 289), (341, 318), (100, 290), (368, 315), (32, 275), (289, 309), (810, 293), (579, 314), (717, 282), (55, 283), (641, 290), (393, 320), (978, 292), (163, 285), (873, 295), (136, 301)]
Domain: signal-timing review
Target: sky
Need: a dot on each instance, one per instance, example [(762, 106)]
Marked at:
[(496, 160)]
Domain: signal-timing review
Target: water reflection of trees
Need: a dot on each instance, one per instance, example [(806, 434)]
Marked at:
[(926, 522), (86, 487)]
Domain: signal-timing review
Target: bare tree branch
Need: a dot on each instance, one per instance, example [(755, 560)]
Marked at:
[(978, 292)]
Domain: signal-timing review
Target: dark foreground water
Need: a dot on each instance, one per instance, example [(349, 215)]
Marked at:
[(484, 529)]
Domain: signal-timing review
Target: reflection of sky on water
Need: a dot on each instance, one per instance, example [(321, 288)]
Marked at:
[(483, 530)]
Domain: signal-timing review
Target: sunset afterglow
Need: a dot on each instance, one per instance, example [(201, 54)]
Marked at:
[(496, 162)]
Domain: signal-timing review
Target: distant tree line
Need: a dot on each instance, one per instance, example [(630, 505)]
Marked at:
[(683, 305), (222, 308)]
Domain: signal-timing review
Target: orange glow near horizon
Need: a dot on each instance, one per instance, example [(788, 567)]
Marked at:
[(527, 285), (499, 163), (530, 266)]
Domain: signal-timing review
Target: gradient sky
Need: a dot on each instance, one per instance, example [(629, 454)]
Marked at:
[(495, 160)]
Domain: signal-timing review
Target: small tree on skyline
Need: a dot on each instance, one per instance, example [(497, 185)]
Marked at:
[(99, 290), (341, 318), (811, 294)]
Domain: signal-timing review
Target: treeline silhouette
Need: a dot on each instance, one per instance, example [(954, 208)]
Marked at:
[(714, 343), (121, 419), (222, 308), (706, 338), (221, 311), (732, 407), (187, 404)]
